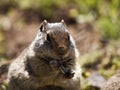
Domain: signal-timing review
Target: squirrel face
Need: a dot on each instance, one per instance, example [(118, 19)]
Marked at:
[(57, 36), (59, 41)]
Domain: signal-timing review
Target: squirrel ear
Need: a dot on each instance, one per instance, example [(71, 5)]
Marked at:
[(45, 22), (62, 21), (42, 26)]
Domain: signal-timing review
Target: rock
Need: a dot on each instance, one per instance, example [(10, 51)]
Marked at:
[(113, 83), (96, 80)]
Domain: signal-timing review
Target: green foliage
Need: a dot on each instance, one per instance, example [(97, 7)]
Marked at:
[(106, 12), (4, 85), (48, 7), (108, 28), (2, 38), (107, 60), (90, 57)]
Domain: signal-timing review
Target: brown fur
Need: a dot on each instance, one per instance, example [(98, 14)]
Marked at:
[(49, 63)]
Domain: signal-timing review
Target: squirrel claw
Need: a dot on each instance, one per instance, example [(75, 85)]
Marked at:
[(69, 74)]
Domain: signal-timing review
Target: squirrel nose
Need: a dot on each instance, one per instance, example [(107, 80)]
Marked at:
[(61, 49)]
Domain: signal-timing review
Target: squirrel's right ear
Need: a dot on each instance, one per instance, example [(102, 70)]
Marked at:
[(42, 26), (63, 22)]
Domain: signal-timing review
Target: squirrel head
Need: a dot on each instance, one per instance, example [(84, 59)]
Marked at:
[(57, 36)]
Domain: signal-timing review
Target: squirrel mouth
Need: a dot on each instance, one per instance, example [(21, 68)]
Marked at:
[(61, 52)]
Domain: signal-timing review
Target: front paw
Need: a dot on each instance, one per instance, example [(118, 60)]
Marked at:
[(69, 74)]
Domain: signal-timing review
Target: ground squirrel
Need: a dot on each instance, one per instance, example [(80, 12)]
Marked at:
[(49, 63)]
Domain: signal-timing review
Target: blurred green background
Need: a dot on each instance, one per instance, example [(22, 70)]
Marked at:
[(95, 25)]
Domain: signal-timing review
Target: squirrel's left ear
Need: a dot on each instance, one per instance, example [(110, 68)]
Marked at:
[(43, 25), (62, 21)]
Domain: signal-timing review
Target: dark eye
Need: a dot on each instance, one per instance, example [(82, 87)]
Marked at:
[(68, 38), (48, 37)]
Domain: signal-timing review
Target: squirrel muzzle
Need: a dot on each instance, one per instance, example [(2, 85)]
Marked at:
[(62, 50)]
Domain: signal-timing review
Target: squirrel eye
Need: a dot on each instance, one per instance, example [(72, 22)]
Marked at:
[(48, 37), (68, 37)]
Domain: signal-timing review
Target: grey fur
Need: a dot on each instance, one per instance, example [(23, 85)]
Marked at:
[(37, 66)]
